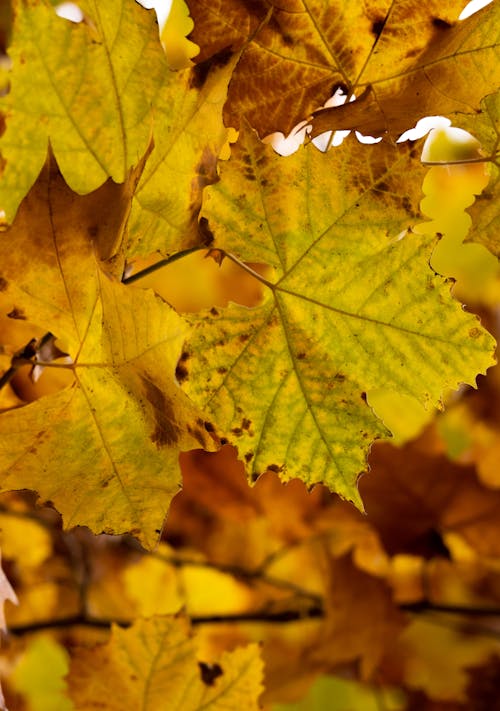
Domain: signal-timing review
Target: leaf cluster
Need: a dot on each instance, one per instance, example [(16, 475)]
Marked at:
[(119, 158)]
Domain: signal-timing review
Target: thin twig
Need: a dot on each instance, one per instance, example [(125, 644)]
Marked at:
[(159, 265)]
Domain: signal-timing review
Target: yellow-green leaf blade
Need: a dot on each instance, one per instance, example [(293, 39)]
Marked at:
[(189, 135), (98, 116), (105, 450), (354, 307), (485, 211), (154, 665)]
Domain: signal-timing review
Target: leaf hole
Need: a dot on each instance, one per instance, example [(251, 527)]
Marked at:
[(69, 11)]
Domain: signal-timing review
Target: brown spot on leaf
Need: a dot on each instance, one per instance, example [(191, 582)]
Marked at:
[(301, 356), (210, 672), (223, 441), (248, 457), (406, 204), (339, 377), (474, 332), (209, 427), (440, 24), (198, 435), (214, 311), (205, 234), (167, 431), (245, 425), (244, 337), (237, 431), (377, 27), (17, 314), (199, 73), (181, 373), (222, 370), (3, 284), (275, 468)]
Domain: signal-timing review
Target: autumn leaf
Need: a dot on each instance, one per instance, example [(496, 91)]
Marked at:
[(352, 307), (6, 593), (155, 664), (434, 658), (337, 694), (484, 212), (189, 135), (43, 691), (104, 450), (407, 60), (99, 116), (445, 78), (414, 499), (178, 49)]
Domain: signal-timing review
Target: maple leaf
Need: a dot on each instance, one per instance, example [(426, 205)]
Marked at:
[(446, 77), (98, 116), (154, 665), (104, 450), (485, 212), (415, 56), (351, 309)]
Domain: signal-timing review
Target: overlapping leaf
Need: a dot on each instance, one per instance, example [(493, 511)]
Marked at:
[(189, 134), (98, 116), (104, 450), (485, 211), (453, 73), (415, 56), (154, 665), (119, 98), (351, 309)]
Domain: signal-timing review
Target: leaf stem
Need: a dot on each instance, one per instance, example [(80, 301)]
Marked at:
[(465, 161), (249, 270), (159, 265)]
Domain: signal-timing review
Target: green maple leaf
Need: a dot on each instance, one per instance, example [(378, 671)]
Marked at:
[(105, 450), (406, 59), (154, 665), (354, 306)]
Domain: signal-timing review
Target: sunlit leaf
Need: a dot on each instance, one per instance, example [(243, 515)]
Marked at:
[(407, 60), (44, 692), (98, 447), (485, 211), (353, 307), (154, 665), (99, 115), (189, 135), (449, 74)]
